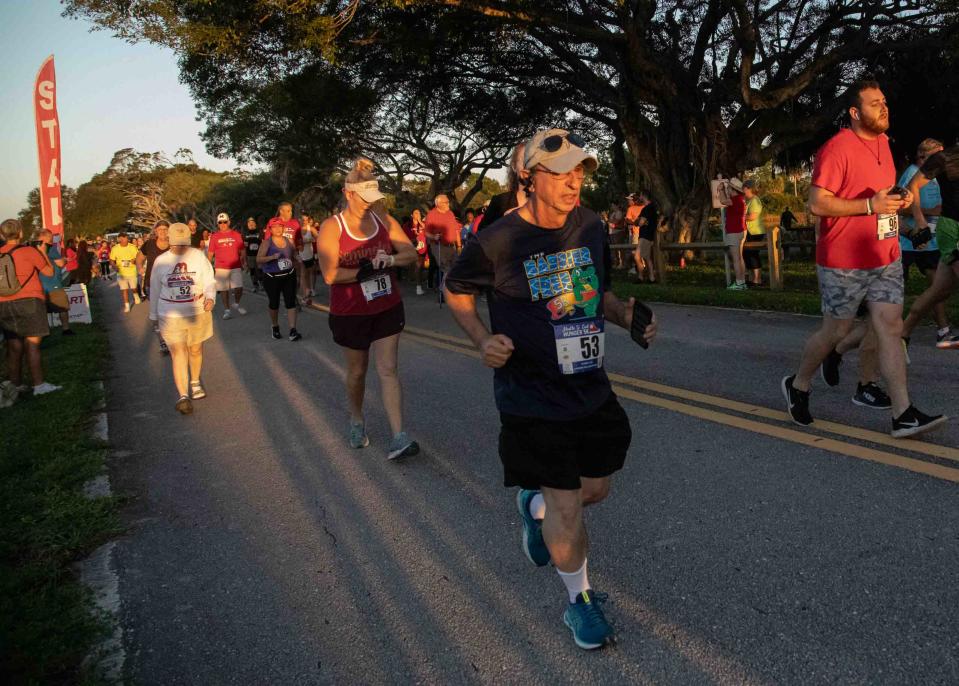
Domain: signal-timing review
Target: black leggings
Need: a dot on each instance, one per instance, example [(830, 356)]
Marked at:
[(283, 283)]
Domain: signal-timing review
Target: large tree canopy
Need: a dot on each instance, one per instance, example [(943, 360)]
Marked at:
[(690, 88)]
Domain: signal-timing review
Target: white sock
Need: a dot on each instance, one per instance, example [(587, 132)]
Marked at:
[(537, 506), (943, 331), (576, 582)]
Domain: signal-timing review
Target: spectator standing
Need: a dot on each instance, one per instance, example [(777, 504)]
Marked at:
[(857, 256), (617, 232), (786, 220), (73, 261), (56, 298), (23, 310), (633, 209), (123, 257), (734, 232), (309, 233), (755, 231), (85, 261), (647, 223), (226, 251)]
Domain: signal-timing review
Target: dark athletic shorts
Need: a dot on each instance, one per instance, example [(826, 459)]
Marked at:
[(309, 263), (23, 318), (541, 452), (925, 261), (358, 331)]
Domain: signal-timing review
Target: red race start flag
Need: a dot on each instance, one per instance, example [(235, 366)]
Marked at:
[(48, 146)]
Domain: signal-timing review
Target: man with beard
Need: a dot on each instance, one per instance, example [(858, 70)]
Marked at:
[(857, 255)]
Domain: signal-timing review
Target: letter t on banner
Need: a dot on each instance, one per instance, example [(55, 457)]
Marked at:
[(48, 146)]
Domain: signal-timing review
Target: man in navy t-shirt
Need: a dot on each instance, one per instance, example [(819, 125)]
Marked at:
[(546, 271)]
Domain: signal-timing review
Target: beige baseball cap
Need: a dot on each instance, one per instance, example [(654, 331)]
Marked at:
[(222, 217), (368, 190), (559, 151), (179, 234)]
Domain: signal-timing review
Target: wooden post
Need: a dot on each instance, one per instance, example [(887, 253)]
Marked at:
[(658, 260), (775, 264)]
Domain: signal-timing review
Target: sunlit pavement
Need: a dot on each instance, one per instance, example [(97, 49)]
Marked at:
[(261, 549)]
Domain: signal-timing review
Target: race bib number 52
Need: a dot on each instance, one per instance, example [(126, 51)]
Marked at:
[(580, 345)]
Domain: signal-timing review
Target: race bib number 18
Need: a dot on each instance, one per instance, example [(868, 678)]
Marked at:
[(377, 287), (580, 345)]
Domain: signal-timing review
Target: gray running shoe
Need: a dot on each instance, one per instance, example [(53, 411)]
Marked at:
[(402, 446), (358, 437)]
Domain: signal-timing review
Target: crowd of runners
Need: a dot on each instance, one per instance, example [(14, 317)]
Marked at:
[(542, 263)]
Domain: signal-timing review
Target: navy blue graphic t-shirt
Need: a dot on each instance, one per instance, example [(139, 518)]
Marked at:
[(545, 291)]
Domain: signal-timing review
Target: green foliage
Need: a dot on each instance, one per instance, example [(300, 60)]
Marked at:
[(47, 620), (99, 208)]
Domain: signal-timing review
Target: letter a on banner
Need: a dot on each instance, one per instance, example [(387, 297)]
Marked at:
[(48, 146)]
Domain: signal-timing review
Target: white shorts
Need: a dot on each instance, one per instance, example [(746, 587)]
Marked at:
[(190, 330), (127, 283), (734, 240), (228, 279)]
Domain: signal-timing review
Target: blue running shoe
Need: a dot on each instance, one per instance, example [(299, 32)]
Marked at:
[(533, 544), (358, 438), (586, 620)]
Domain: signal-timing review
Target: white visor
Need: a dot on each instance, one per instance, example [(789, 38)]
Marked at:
[(368, 190)]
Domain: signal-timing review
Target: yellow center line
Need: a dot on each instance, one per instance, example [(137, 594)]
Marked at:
[(909, 445), (773, 431)]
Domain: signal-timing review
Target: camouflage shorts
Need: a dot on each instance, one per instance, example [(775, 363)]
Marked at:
[(843, 290)]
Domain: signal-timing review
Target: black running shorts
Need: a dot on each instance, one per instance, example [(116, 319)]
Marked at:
[(556, 454), (358, 331)]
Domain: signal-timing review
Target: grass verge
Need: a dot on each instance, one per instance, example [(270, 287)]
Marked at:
[(48, 622), (704, 283)]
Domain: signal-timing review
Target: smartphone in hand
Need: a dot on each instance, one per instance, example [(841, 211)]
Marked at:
[(642, 317)]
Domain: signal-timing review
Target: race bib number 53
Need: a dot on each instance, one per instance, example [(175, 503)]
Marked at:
[(580, 345)]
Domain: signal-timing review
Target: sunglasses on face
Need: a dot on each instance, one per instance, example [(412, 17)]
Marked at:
[(555, 142), (223, 222)]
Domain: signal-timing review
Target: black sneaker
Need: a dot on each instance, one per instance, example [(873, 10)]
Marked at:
[(276, 333), (830, 368), (69, 332), (871, 395), (912, 422), (797, 402), (295, 335)]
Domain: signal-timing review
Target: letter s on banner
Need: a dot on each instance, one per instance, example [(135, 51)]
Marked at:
[(48, 145)]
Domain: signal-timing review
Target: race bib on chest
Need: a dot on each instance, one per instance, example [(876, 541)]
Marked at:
[(377, 287), (284, 264), (182, 293), (254, 246), (125, 263), (580, 345), (887, 226)]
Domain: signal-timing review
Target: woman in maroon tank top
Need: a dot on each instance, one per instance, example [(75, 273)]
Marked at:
[(358, 250)]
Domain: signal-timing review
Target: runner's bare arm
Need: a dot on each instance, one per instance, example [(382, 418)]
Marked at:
[(917, 183), (824, 203), (496, 348), (141, 258), (328, 252), (405, 252)]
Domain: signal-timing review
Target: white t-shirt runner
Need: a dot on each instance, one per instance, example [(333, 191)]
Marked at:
[(179, 284)]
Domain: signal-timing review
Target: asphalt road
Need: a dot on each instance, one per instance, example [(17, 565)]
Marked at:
[(736, 548)]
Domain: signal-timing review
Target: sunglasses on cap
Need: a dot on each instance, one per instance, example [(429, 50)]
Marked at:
[(555, 142)]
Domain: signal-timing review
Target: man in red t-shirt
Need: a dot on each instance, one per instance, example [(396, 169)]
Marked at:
[(23, 314), (443, 226), (734, 232), (857, 255), (226, 249)]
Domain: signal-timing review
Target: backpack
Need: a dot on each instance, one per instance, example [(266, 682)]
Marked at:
[(9, 281)]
